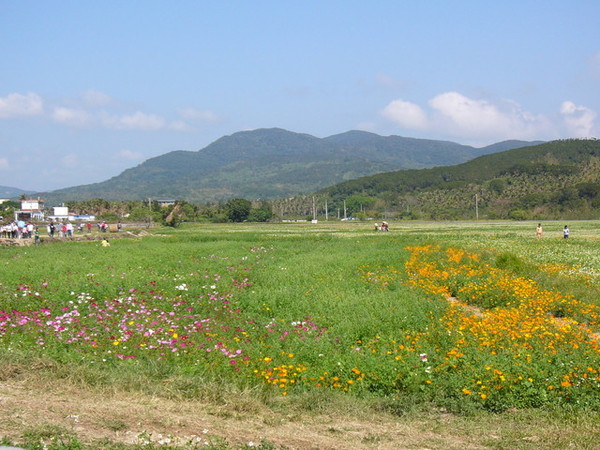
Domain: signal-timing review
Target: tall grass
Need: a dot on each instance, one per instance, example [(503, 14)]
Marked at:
[(297, 310)]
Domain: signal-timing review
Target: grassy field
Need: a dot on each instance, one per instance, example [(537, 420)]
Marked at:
[(437, 335)]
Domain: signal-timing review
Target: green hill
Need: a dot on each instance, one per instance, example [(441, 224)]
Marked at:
[(11, 192), (272, 163), (552, 180)]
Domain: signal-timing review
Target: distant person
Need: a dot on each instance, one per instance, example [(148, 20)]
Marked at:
[(89, 227), (539, 231), (566, 232)]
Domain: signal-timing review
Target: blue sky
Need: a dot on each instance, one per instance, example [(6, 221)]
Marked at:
[(89, 89)]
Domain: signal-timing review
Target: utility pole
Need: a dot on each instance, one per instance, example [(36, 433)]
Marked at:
[(345, 215), (477, 206), (314, 208), (326, 211)]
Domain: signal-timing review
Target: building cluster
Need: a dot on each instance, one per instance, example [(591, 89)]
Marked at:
[(33, 210)]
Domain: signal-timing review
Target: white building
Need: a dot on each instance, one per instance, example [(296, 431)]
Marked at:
[(31, 209), (61, 214)]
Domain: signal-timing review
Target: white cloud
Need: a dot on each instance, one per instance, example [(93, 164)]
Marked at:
[(93, 109), (4, 165), (454, 114), (71, 117), (580, 120), (468, 114), (21, 105), (406, 114)]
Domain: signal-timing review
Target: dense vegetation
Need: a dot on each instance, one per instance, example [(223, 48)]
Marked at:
[(423, 319), (552, 180)]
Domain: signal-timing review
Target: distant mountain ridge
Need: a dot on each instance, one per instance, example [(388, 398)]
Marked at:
[(273, 163), (11, 192)]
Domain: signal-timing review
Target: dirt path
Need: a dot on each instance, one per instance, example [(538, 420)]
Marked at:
[(127, 419)]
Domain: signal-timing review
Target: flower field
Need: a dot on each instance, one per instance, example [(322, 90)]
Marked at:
[(289, 309), (504, 330)]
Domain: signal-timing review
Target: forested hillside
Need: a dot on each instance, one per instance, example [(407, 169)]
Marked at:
[(272, 163), (552, 180)]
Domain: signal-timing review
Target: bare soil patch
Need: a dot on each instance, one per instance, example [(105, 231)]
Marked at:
[(123, 418)]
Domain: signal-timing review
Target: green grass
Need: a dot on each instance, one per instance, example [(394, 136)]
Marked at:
[(294, 311)]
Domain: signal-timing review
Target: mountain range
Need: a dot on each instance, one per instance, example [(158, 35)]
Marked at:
[(11, 192), (273, 163)]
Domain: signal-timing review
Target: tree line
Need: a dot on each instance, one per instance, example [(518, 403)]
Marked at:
[(151, 211)]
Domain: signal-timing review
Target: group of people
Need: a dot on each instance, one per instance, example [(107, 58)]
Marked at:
[(18, 230), (539, 231), (63, 229)]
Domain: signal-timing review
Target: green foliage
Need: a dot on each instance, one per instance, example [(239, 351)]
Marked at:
[(555, 179), (357, 203), (238, 209), (588, 190), (7, 210), (51, 437), (518, 214), (511, 262), (497, 185), (142, 214), (327, 307), (262, 214)]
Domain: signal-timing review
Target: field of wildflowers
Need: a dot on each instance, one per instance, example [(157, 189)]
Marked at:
[(426, 312)]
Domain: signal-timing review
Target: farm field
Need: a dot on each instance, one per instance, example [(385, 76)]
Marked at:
[(328, 335)]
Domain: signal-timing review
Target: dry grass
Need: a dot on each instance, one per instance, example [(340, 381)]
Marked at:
[(31, 404)]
